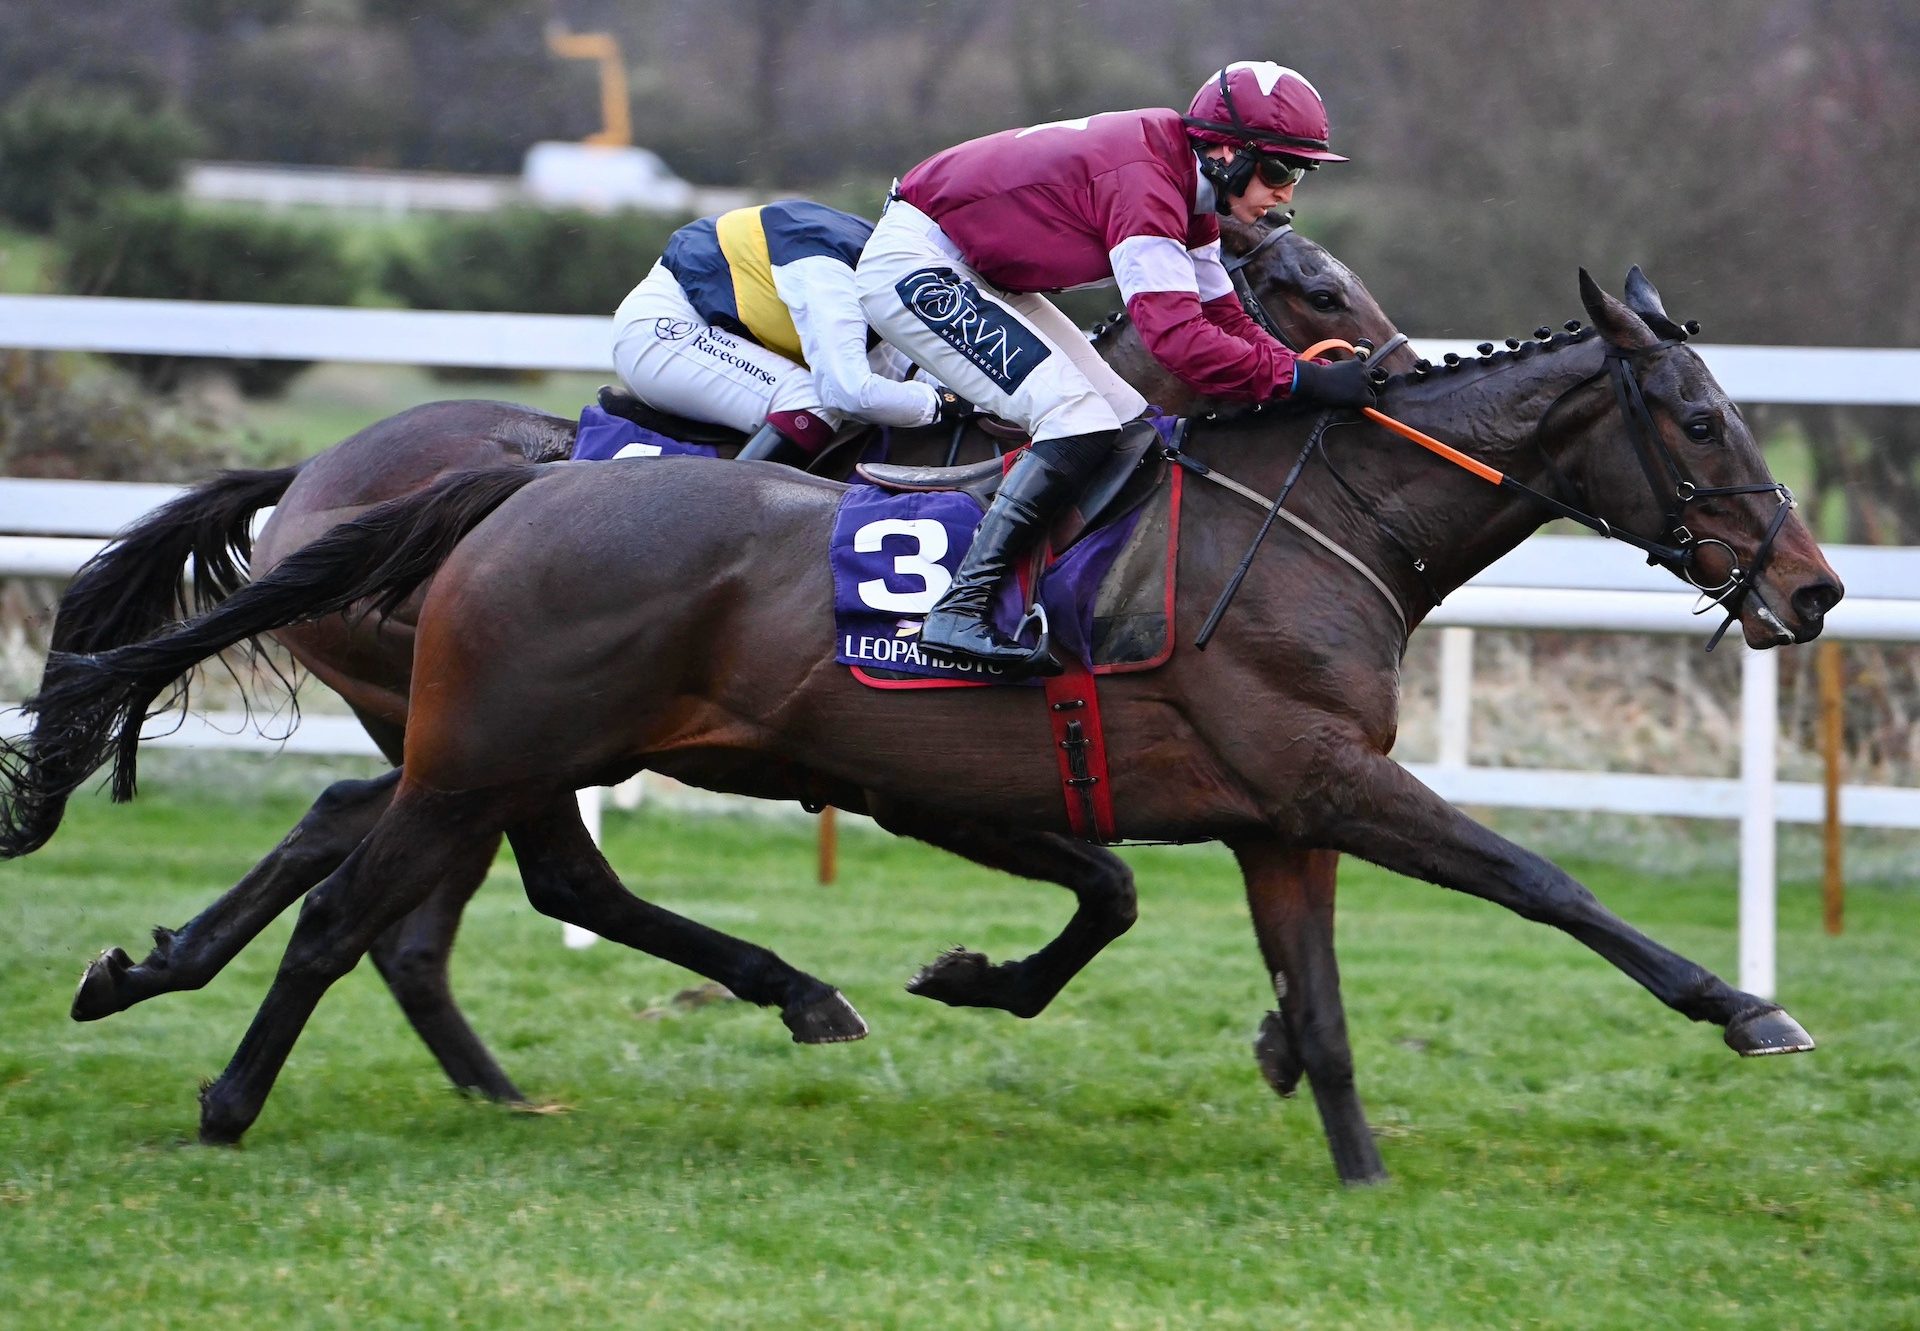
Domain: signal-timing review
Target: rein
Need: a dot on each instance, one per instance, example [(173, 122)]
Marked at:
[(1663, 473), (1662, 469), (1176, 454)]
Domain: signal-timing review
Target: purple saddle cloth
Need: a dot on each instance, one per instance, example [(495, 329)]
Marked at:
[(604, 436), (892, 556)]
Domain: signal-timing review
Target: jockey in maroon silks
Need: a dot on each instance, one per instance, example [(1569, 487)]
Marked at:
[(970, 237)]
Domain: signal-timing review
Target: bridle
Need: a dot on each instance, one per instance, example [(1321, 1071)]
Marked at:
[(1243, 288), (1673, 491), (1678, 548)]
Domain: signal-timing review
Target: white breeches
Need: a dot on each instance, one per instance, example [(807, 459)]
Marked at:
[(1016, 356), (673, 359)]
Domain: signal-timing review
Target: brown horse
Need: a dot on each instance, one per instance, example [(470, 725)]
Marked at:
[(1300, 291), (675, 636)]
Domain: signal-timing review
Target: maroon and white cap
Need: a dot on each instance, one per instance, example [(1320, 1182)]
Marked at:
[(1264, 106)]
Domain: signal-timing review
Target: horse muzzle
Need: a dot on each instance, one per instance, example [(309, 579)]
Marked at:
[(1802, 616)]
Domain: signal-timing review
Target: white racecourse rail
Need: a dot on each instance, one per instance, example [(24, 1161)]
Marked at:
[(1568, 583)]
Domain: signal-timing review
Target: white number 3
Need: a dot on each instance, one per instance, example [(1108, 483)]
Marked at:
[(930, 542)]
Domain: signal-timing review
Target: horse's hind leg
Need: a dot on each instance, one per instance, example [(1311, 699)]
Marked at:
[(189, 957), (1105, 908), (567, 877), (420, 840), (1290, 893), (412, 958), (1386, 815)]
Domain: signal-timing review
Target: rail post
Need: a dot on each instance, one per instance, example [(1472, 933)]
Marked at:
[(572, 934), (829, 845), (1833, 705), (1759, 739), (1456, 697)]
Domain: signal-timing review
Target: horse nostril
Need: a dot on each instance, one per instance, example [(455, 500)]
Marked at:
[(1814, 600)]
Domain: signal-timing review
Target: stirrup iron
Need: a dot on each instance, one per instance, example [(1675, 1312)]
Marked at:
[(1041, 660)]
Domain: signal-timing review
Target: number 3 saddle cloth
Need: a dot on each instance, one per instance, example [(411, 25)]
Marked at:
[(1107, 597)]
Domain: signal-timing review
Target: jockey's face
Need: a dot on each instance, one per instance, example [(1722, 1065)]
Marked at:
[(1259, 198)]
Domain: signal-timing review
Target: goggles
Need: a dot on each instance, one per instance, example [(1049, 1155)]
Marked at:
[(1279, 172)]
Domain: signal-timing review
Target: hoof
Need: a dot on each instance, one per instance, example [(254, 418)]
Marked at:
[(218, 1125), (955, 976), (99, 992), (1768, 1031), (960, 978), (1274, 1052), (829, 1020)]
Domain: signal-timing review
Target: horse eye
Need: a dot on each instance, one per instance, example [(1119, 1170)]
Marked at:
[(1324, 301), (1700, 430)]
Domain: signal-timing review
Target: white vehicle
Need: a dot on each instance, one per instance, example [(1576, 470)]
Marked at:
[(602, 178)]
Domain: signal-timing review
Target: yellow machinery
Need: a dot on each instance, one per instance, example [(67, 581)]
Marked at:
[(617, 125)]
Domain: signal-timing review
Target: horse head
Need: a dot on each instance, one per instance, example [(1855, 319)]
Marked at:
[(1302, 292), (1701, 486), (1305, 292)]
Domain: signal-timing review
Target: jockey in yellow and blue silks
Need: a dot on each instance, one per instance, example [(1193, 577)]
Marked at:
[(750, 320)]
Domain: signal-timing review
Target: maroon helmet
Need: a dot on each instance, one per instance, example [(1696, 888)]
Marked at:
[(1260, 105)]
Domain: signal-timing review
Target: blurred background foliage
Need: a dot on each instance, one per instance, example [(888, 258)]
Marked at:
[(1753, 155), (64, 151)]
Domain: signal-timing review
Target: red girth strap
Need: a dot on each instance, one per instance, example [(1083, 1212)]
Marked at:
[(1073, 712), (1080, 745)]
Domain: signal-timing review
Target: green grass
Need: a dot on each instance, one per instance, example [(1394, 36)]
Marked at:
[(1565, 1151), (25, 261)]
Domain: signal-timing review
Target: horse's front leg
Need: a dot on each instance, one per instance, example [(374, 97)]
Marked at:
[(1100, 881), (1290, 893), (1387, 816), (393, 870)]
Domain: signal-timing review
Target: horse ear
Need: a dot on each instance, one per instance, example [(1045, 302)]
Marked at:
[(1644, 301), (1618, 324), (1237, 237)]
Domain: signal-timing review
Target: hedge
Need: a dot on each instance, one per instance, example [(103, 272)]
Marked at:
[(64, 152), (528, 260), (163, 248)]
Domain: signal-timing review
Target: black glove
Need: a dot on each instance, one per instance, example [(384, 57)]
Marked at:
[(953, 408), (1343, 383)]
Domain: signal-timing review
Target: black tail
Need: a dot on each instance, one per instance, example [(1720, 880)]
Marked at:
[(91, 705), (134, 588)]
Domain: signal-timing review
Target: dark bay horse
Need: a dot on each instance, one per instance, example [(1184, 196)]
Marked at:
[(1304, 295), (598, 622)]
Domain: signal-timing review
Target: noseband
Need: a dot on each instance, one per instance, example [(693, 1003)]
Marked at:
[(1673, 492)]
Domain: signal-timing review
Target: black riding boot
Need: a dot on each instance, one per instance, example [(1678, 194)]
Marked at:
[(1033, 494), (769, 445)]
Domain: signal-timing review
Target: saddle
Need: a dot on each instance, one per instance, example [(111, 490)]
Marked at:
[(619, 402), (1124, 479)]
